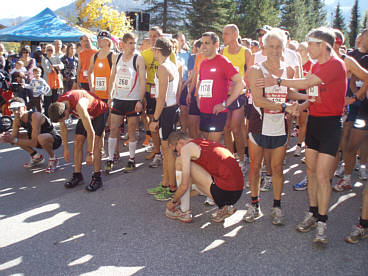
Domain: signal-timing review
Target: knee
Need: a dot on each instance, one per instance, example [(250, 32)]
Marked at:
[(277, 168), (78, 142)]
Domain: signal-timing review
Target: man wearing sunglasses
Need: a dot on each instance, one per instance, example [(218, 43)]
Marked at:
[(40, 134), (91, 112)]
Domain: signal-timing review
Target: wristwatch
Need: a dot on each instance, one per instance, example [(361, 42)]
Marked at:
[(283, 107), (154, 120), (224, 104), (279, 81)]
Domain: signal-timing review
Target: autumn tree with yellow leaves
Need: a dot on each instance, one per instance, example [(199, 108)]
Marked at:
[(98, 14)]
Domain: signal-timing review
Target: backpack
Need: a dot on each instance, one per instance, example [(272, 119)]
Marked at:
[(134, 60), (109, 58)]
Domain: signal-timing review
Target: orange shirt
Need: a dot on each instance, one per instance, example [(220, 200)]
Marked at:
[(84, 60), (200, 57), (101, 73)]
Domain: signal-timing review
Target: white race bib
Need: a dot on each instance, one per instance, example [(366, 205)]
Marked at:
[(276, 94), (359, 84), (205, 89), (100, 84), (313, 91), (153, 92), (85, 73)]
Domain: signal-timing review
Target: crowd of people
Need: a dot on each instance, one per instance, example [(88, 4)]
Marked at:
[(250, 95)]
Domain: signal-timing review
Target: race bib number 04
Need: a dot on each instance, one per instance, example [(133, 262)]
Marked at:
[(100, 84), (205, 89)]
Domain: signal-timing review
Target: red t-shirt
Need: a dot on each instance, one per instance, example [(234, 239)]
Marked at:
[(332, 90), (217, 72), (306, 67), (95, 107), (220, 163)]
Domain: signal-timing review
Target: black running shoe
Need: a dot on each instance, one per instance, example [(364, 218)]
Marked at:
[(130, 167), (74, 181), (95, 184)]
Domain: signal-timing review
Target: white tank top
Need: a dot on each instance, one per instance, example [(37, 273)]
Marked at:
[(126, 81), (172, 87)]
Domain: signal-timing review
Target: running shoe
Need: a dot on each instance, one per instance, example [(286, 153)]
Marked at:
[(303, 160), (124, 136), (166, 195), (267, 184), (95, 184), (35, 160), (298, 151), (358, 233), (74, 181), (221, 214), (157, 190), (130, 166), (108, 167), (156, 162), (340, 170), (302, 185), (277, 216), (344, 184), (363, 172), (179, 215), (307, 224), (294, 133), (209, 202), (53, 163), (252, 213), (146, 142), (321, 233)]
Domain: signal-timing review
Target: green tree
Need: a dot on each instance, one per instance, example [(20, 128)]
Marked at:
[(354, 23), (253, 14), (207, 15), (338, 22), (317, 13), (365, 20), (294, 18), (168, 14)]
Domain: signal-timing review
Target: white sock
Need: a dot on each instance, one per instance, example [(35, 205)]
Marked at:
[(362, 166), (185, 199), (132, 147), (112, 146)]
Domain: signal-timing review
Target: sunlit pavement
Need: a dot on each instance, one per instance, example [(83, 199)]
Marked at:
[(46, 229)]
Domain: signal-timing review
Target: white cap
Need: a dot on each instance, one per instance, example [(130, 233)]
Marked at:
[(16, 105)]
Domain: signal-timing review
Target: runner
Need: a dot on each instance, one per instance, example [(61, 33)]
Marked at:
[(213, 88), (267, 124), (84, 62), (324, 128), (240, 57), (212, 168), (151, 68), (40, 134), (91, 124), (167, 82), (126, 93), (354, 131)]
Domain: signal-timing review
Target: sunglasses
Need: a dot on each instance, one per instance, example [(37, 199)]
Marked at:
[(49, 50)]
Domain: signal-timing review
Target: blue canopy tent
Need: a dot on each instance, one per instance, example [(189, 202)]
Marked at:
[(45, 26)]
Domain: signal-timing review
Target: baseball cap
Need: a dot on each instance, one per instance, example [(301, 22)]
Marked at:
[(104, 34), (264, 28)]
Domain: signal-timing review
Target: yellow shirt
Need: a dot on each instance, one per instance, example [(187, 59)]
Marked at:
[(151, 66), (237, 60)]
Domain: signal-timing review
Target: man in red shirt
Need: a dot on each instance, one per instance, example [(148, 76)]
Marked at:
[(215, 74), (91, 125), (327, 84), (212, 168)]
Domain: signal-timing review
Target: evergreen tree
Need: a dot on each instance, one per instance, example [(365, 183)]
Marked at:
[(338, 22), (253, 14), (295, 17), (354, 23), (207, 15), (168, 14), (318, 13), (365, 20)]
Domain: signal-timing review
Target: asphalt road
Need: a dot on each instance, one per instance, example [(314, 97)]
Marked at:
[(46, 229)]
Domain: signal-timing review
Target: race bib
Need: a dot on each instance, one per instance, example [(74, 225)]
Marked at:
[(100, 84), (205, 89), (313, 91), (359, 84), (124, 83), (85, 73), (153, 91), (276, 94)]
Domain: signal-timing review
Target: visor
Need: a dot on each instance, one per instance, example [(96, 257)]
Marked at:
[(16, 105), (313, 39)]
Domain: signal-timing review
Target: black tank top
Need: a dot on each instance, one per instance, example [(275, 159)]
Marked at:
[(46, 127)]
